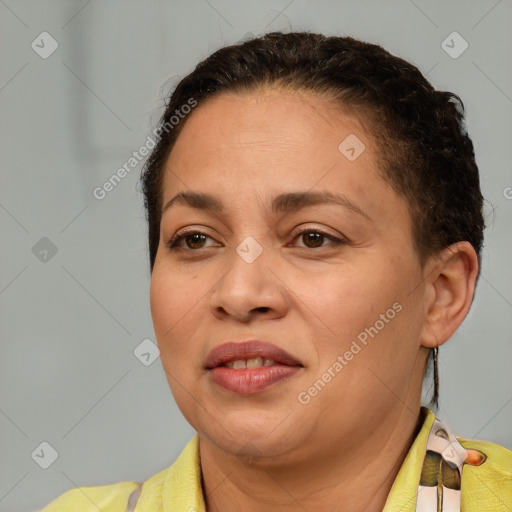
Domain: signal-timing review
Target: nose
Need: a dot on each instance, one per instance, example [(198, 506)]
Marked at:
[(249, 288)]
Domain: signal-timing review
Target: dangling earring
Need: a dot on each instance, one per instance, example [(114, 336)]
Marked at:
[(436, 379)]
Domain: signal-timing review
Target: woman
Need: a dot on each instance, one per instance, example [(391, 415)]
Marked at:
[(315, 228)]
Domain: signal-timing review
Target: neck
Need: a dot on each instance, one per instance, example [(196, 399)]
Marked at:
[(356, 478)]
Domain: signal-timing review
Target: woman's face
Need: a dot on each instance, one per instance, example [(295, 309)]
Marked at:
[(337, 286)]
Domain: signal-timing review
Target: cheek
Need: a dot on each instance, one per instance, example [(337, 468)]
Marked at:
[(169, 305), (367, 303), (161, 302), (353, 297)]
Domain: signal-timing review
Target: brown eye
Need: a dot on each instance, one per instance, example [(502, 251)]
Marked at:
[(313, 238), (193, 240)]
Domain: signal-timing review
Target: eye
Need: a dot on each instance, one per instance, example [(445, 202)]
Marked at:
[(315, 237), (193, 239)]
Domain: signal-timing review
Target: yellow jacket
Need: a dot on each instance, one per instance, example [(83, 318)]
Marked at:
[(487, 487)]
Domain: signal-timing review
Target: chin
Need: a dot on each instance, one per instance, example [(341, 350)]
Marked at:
[(253, 436)]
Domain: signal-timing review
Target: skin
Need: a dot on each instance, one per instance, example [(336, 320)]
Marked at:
[(343, 449)]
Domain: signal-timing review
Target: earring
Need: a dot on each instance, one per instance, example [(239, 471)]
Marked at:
[(436, 378)]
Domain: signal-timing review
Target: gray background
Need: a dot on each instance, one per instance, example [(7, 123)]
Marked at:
[(70, 323)]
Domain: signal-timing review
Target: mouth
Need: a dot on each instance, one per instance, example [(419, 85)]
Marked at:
[(250, 367), (248, 355), (255, 362)]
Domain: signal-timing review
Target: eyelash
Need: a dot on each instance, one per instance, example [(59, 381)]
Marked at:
[(172, 244)]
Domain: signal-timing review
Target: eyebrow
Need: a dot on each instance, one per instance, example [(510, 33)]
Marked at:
[(283, 203)]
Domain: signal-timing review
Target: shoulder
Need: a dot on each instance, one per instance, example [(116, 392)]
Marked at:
[(107, 498), (490, 481), (110, 498), (183, 476)]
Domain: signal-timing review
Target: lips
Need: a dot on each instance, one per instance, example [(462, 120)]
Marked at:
[(235, 351), (267, 366)]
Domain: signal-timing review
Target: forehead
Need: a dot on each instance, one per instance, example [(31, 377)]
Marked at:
[(271, 141), (270, 120)]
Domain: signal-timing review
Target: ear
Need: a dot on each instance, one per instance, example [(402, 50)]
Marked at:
[(450, 286)]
